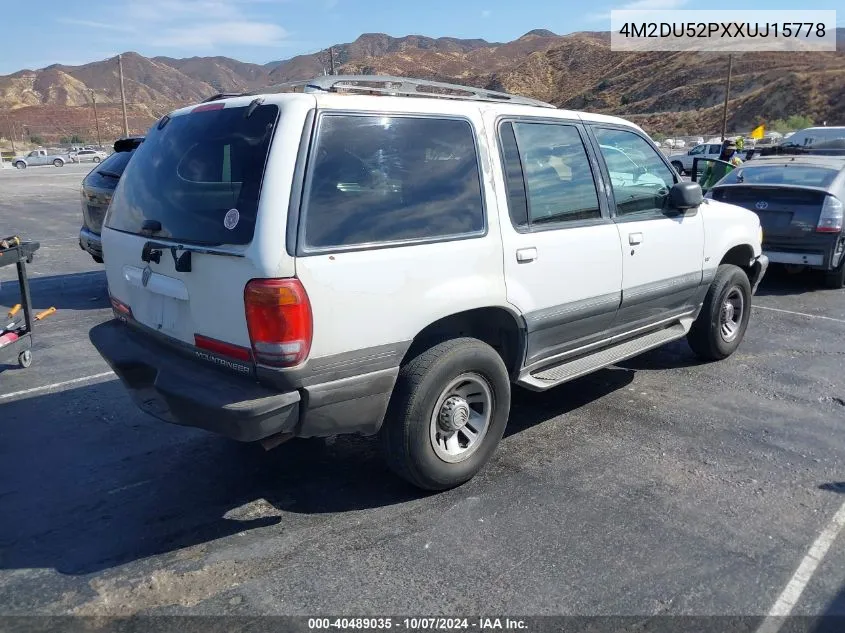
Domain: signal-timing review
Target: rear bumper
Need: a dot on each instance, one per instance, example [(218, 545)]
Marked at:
[(175, 387), (90, 242), (819, 251)]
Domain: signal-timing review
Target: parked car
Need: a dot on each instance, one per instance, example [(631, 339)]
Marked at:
[(97, 190), (41, 157), (309, 264), (683, 162), (86, 155), (816, 137), (799, 200)]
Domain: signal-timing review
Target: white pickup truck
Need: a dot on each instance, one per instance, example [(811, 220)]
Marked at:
[(41, 157)]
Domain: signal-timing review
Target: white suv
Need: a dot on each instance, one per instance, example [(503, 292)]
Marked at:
[(322, 262)]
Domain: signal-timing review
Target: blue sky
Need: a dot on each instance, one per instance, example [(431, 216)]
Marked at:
[(41, 32)]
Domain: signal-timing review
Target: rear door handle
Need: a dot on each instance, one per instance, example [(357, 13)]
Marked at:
[(525, 255), (635, 238)]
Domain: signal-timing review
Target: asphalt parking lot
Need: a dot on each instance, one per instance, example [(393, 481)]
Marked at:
[(660, 487)]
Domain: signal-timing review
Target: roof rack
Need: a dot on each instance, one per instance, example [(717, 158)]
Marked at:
[(401, 87), (223, 95)]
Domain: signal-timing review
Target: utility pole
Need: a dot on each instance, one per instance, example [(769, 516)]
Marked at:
[(123, 96), (331, 58), (727, 96), (96, 119)]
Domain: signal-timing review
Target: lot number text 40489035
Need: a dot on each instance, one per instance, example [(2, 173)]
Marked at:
[(418, 624)]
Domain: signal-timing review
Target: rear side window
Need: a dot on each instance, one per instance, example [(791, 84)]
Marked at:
[(199, 175), (376, 179)]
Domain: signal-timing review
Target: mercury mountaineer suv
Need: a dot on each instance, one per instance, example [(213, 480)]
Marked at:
[(388, 256)]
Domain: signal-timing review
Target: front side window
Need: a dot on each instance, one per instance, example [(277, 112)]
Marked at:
[(558, 178), (641, 183), (375, 179)]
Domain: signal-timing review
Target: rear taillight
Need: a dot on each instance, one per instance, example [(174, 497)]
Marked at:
[(278, 315), (121, 310), (830, 219)]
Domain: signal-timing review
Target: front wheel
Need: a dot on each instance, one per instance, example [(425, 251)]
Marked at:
[(58, 163), (447, 414), (96, 159), (721, 324), (678, 167), (20, 165)]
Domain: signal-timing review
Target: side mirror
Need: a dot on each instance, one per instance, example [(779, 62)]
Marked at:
[(685, 195)]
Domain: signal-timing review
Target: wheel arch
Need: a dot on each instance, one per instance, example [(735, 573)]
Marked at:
[(742, 255), (500, 327)]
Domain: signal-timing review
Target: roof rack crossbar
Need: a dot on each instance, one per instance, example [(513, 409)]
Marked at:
[(401, 86)]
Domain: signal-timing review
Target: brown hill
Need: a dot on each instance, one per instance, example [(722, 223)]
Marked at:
[(676, 93)]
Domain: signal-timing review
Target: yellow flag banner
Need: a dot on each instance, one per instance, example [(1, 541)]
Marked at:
[(758, 132)]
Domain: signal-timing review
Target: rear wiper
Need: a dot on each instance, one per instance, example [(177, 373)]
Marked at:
[(110, 174)]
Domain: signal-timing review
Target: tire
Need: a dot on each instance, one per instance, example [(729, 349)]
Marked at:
[(707, 336), (25, 358), (96, 159), (429, 382), (835, 278), (58, 163), (20, 164), (678, 167), (97, 259)]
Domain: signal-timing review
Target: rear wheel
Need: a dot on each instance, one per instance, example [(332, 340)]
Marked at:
[(836, 278), (447, 414), (96, 159), (20, 164), (721, 324), (58, 163)]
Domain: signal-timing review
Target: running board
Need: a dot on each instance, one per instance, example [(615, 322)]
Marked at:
[(543, 379)]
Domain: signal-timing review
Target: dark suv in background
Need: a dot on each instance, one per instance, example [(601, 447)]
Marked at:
[(97, 189)]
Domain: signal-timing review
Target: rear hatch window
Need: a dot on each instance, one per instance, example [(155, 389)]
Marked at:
[(198, 175), (796, 175)]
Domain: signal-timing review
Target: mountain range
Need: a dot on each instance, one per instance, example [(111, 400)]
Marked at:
[(671, 92)]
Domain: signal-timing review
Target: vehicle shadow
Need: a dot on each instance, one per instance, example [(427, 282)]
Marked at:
[(778, 282), (87, 482), (76, 291), (674, 355), (834, 486)]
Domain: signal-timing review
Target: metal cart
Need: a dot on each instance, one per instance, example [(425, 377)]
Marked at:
[(18, 342)]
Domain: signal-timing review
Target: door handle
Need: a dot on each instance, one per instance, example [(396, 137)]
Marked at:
[(635, 238), (525, 255)]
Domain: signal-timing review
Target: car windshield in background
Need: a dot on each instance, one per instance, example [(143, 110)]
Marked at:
[(833, 137), (798, 175), (199, 176)]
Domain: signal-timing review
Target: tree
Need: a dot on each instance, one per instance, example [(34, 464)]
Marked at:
[(790, 124), (35, 139)]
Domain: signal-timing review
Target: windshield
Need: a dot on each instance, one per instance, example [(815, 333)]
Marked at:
[(801, 175), (199, 176)]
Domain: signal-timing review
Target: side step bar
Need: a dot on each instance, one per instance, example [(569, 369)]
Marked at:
[(549, 377)]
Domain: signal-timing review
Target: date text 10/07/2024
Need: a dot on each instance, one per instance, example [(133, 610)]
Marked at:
[(418, 624)]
